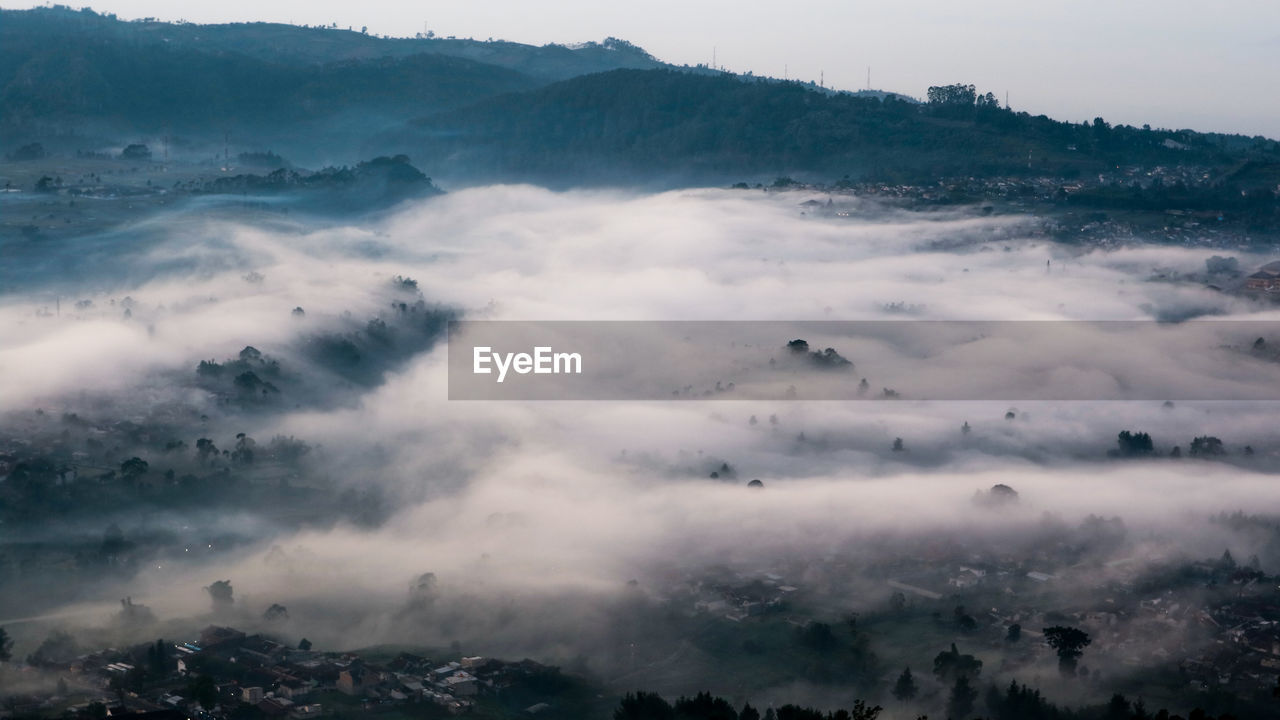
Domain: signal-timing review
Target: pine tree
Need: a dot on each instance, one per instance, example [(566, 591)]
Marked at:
[(905, 689), (962, 698)]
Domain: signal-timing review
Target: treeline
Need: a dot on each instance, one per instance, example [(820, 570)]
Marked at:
[(660, 121), (155, 88), (60, 66), (1136, 444), (368, 185), (1016, 702)]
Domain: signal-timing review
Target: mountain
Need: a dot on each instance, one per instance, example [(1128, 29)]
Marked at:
[(674, 125), (65, 71), (297, 45), (483, 111)]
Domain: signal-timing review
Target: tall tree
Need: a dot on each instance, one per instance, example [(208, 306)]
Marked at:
[(963, 695), (905, 688), (1070, 643)]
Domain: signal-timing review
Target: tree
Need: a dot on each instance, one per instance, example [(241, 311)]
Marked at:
[(960, 704), (1133, 444), (954, 95), (1117, 708), (6, 646), (643, 706), (304, 645), (243, 452), (221, 594), (1207, 446), (905, 688), (705, 706), (897, 445), (818, 637), (950, 664), (32, 151), (1070, 643), (1014, 634), (158, 657), (58, 648), (206, 449), (1218, 264), (863, 711), (133, 468), (1227, 562), (204, 690)]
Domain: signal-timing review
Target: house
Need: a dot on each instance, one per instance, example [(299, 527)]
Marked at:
[(1266, 279), (927, 594), (292, 691), (275, 707), (305, 712), (354, 679), (445, 671), (412, 687), (471, 663), (461, 684), (214, 636), (262, 650), (251, 695)]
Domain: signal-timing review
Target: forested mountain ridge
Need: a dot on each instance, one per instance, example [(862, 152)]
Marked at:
[(612, 124), (293, 44), (485, 111), (76, 72)]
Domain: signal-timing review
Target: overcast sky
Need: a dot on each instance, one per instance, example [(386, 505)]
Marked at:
[(1170, 63)]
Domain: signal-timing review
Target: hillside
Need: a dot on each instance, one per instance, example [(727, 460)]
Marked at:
[(311, 92), (663, 123), (294, 45), (483, 111)]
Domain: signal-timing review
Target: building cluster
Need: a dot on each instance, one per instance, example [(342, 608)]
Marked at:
[(276, 680), (1214, 624), (1049, 198), (739, 596)]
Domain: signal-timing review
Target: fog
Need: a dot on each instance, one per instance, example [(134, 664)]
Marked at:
[(535, 516)]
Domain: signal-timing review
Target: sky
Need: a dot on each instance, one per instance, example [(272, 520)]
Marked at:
[(1175, 64)]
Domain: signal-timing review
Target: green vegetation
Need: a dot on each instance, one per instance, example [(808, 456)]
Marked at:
[(663, 122)]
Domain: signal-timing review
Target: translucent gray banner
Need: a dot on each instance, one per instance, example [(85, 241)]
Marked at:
[(864, 360)]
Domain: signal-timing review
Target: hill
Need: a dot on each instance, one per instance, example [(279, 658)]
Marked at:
[(487, 111), (295, 45), (67, 72), (662, 123)]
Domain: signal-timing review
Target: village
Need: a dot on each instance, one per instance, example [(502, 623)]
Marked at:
[(1125, 205), (224, 673), (1167, 627)]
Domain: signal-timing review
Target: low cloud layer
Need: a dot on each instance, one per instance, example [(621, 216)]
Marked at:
[(533, 517)]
